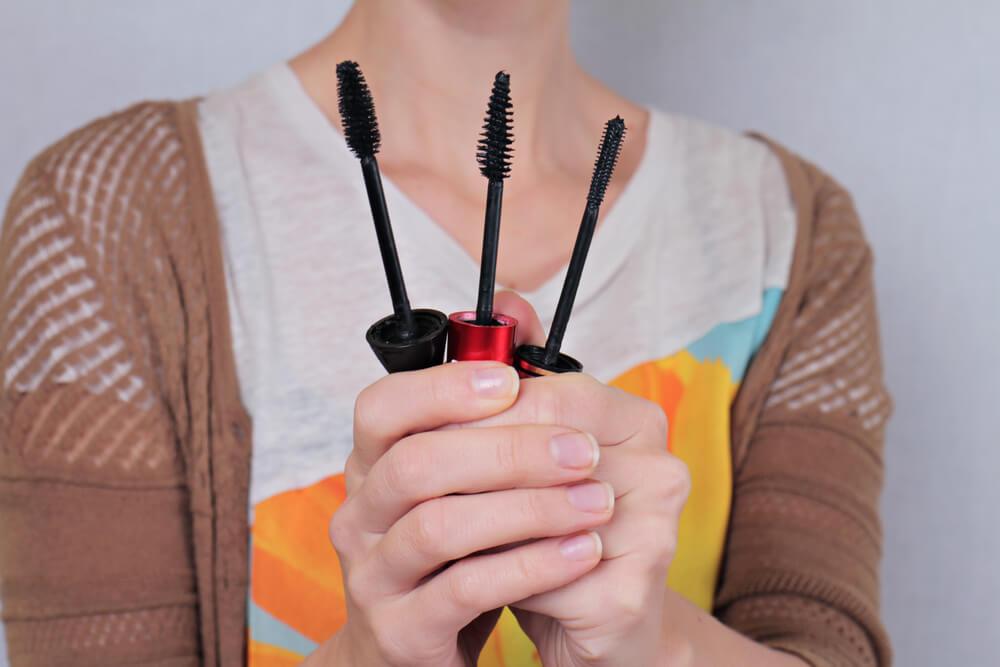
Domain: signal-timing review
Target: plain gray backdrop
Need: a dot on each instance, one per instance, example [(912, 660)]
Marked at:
[(899, 99)]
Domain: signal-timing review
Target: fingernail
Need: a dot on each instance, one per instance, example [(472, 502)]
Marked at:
[(575, 450), (591, 496), (495, 382), (581, 547)]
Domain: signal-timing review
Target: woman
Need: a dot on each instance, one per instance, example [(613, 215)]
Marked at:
[(174, 271)]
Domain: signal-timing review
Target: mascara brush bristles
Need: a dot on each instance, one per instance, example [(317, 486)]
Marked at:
[(604, 167), (357, 111), (357, 115), (494, 149), (493, 155), (607, 159)]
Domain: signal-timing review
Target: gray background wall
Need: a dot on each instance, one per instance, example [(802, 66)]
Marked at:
[(900, 99)]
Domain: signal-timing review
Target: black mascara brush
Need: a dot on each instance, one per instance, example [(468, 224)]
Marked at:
[(494, 164), (532, 360), (408, 339), (484, 334)]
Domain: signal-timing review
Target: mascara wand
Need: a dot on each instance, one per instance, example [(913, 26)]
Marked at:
[(494, 164), (532, 360), (408, 339), (484, 334)]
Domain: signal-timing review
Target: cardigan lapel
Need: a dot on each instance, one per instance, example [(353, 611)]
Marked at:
[(752, 394), (222, 441)]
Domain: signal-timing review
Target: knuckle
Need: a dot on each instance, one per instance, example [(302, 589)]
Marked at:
[(356, 587), (631, 609), (547, 407), (578, 385), (667, 548), (366, 411), (353, 475), (508, 451), (426, 530), (557, 399), (526, 567), (567, 395), (669, 479), (656, 420), (441, 386), (535, 510), (465, 588), (401, 471), (678, 477), (659, 545), (586, 396), (387, 638), (363, 403), (580, 381), (590, 382), (341, 531), (628, 602)]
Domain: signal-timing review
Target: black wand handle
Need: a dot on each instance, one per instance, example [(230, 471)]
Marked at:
[(387, 247)]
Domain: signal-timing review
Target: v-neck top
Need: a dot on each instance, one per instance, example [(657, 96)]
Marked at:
[(683, 278)]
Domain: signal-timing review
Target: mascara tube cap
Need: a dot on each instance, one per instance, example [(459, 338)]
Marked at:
[(468, 341), (423, 350), (529, 360)]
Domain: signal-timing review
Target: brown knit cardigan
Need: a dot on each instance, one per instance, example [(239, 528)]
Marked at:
[(125, 450)]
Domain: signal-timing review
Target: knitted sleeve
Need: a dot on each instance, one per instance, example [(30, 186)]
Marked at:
[(801, 570), (95, 555)]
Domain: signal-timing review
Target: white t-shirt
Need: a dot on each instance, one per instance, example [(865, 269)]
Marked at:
[(681, 285), (703, 229)]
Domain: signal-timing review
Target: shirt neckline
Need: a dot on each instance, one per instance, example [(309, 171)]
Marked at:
[(620, 229)]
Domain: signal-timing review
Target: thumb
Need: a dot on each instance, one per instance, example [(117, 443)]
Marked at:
[(529, 327)]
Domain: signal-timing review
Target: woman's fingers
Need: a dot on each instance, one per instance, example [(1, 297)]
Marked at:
[(480, 583), (446, 529), (638, 547), (638, 544), (578, 401), (615, 592), (404, 403), (651, 490), (529, 327), (438, 463)]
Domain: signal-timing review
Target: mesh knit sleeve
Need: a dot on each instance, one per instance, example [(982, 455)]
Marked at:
[(95, 554), (801, 570)]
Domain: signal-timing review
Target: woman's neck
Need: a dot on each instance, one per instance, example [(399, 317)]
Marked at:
[(430, 66)]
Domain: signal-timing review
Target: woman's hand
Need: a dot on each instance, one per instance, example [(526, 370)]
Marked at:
[(418, 500), (614, 614)]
